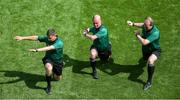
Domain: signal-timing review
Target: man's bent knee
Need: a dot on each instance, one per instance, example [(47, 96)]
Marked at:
[(152, 59), (57, 77), (48, 68), (94, 53)]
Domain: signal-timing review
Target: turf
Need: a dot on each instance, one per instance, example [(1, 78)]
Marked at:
[(22, 72)]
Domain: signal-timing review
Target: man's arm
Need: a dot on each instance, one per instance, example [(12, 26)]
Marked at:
[(130, 23), (19, 38), (141, 40), (89, 36), (43, 49)]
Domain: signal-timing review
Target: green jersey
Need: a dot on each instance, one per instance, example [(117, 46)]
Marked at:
[(55, 55), (102, 41), (153, 36)]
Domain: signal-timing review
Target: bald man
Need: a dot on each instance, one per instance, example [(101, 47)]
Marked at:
[(101, 46), (150, 45)]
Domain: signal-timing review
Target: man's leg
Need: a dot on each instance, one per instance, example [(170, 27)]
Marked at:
[(48, 68), (57, 71), (93, 55), (150, 70), (57, 77), (104, 56)]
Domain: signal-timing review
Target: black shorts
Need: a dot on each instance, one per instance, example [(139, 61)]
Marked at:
[(103, 55), (157, 53), (57, 67)]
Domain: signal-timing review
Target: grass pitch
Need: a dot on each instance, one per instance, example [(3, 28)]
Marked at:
[(22, 72)]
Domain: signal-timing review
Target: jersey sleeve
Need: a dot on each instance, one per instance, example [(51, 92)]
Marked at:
[(58, 45), (153, 36), (142, 27), (101, 33), (42, 38), (91, 29)]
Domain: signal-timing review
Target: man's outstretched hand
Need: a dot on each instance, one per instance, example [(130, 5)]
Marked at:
[(18, 38), (33, 50)]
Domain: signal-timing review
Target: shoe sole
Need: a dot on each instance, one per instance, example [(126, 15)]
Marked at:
[(147, 88)]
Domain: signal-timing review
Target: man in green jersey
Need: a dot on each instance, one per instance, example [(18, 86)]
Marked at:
[(150, 45), (101, 46), (53, 59)]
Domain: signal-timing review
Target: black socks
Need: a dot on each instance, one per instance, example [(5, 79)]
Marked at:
[(150, 70), (48, 79), (93, 64)]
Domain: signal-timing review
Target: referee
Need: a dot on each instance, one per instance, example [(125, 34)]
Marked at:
[(53, 59), (101, 46), (150, 45)]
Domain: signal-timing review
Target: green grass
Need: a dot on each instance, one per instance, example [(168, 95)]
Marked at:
[(22, 72)]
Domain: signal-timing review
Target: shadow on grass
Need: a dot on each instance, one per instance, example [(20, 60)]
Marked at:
[(30, 79), (77, 66), (110, 68)]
